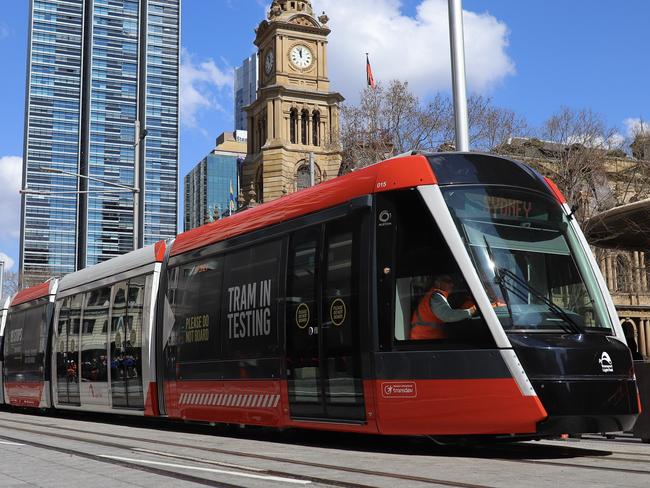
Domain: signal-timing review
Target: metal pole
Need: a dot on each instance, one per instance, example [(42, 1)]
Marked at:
[(312, 171), (458, 74), (137, 244)]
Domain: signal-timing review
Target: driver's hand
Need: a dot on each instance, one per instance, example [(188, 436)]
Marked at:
[(473, 310)]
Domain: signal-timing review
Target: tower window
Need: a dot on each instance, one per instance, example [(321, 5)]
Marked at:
[(303, 177), (316, 129), (293, 126), (304, 129)]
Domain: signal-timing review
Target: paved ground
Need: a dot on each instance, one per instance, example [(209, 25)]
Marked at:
[(68, 451)]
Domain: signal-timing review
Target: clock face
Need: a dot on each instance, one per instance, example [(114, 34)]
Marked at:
[(301, 56), (269, 61)]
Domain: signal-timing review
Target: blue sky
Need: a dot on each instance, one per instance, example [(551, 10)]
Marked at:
[(532, 56)]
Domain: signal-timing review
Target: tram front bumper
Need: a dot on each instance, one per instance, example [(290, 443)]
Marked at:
[(587, 405)]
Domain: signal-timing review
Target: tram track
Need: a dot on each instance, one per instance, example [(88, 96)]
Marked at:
[(203, 481), (505, 457)]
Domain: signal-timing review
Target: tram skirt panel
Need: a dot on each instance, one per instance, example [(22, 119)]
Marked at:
[(456, 407), (25, 394), (238, 402)]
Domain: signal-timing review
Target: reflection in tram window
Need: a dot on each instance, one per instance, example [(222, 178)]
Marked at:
[(94, 360), (67, 356), (126, 344)]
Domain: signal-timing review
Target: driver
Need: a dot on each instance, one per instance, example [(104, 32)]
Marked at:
[(434, 311)]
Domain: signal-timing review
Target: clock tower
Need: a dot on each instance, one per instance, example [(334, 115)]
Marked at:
[(295, 115)]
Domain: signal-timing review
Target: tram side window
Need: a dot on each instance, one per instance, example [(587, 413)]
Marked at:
[(94, 360), (431, 301), (250, 295), (25, 341), (195, 297)]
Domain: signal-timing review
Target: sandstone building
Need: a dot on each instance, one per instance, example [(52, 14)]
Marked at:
[(295, 113)]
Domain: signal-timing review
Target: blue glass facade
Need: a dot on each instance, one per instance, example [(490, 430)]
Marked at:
[(52, 137), (245, 90), (95, 67), (208, 187)]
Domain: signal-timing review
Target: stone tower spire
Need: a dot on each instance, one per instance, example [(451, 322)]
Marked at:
[(295, 117), (286, 8)]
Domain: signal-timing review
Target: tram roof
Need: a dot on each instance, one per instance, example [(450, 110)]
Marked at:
[(34, 293), (393, 174), (121, 264)]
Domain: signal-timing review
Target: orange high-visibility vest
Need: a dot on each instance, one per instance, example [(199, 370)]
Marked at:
[(424, 323)]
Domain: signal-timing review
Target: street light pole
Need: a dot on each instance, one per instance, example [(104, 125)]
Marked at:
[(138, 200), (457, 38), (138, 224)]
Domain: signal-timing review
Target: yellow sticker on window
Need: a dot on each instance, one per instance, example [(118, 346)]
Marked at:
[(338, 312)]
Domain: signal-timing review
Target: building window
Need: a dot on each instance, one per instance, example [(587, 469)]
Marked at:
[(304, 123), (316, 129), (303, 179), (293, 129), (261, 132)]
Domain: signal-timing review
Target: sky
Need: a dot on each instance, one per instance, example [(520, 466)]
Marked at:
[(531, 56)]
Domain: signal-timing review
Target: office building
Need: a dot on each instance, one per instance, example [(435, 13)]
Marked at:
[(96, 69), (211, 188), (245, 92)]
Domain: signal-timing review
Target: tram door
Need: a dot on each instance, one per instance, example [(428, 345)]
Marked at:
[(67, 355), (126, 344), (323, 356)]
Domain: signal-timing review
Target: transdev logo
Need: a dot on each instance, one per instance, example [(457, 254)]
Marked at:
[(399, 389), (606, 363)]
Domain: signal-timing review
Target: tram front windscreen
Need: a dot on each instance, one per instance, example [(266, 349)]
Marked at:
[(529, 259)]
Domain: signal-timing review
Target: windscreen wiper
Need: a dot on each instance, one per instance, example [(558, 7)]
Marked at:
[(556, 309), (569, 325)]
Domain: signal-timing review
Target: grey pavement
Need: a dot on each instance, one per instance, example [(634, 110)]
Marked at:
[(115, 452)]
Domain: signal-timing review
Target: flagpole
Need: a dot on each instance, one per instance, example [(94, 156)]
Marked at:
[(458, 74)]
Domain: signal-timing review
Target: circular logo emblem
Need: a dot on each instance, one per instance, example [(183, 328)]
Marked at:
[(385, 216), (303, 315), (338, 312)]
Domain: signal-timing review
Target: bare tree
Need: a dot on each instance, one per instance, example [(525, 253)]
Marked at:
[(583, 156), (10, 285), (391, 120)]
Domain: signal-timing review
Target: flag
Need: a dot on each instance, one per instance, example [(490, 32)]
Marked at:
[(231, 205), (371, 78)]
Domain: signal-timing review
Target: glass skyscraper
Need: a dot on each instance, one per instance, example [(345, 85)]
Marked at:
[(213, 184), (96, 69), (245, 90)]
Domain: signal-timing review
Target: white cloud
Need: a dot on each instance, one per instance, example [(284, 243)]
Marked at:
[(11, 170), (636, 126), (411, 48), (202, 85), (9, 263)]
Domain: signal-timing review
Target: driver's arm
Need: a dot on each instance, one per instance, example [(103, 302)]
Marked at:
[(441, 308)]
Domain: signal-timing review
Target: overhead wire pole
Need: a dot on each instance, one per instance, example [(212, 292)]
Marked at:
[(457, 38)]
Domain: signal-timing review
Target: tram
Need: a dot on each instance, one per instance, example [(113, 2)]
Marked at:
[(301, 313), (4, 307)]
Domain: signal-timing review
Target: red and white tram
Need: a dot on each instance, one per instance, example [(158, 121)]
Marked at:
[(299, 313), (4, 307)]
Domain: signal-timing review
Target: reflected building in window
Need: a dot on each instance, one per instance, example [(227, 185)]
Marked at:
[(212, 187), (95, 67)]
